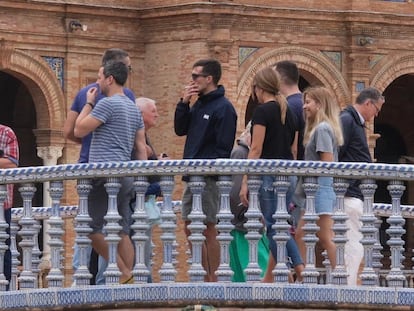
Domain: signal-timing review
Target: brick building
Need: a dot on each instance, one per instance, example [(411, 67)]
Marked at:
[(46, 56)]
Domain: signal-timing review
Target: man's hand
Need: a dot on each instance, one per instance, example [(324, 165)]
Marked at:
[(244, 192), (190, 90), (91, 95)]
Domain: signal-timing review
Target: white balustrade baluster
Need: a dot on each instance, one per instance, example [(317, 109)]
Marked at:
[(339, 274), (27, 278), (281, 227), (112, 229), (224, 227), (368, 275), (253, 226), (197, 227), (3, 237), (55, 276), (395, 277), (82, 275), (140, 228), (310, 274), (168, 226), (14, 228)]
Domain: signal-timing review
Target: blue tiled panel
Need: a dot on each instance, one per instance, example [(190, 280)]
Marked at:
[(219, 294), (268, 293), (297, 293), (322, 293), (13, 300), (99, 294), (42, 298), (211, 291), (353, 295), (56, 64), (75, 296), (155, 292), (183, 292), (378, 295), (405, 297), (239, 291), (123, 293)]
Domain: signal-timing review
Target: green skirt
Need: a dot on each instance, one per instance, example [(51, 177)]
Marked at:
[(239, 255)]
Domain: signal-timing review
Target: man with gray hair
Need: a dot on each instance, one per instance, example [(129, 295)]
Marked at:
[(368, 105)]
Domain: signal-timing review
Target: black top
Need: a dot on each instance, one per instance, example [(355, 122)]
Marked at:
[(355, 147), (278, 137)]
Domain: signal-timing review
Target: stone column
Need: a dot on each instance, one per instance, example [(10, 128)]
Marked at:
[(49, 155)]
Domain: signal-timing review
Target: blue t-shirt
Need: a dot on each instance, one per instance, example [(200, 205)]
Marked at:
[(77, 105), (295, 103), (114, 139)]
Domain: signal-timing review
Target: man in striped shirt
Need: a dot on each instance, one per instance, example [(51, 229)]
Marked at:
[(117, 128)]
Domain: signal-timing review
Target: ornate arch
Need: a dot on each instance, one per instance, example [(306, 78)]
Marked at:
[(313, 62), (390, 68), (41, 82)]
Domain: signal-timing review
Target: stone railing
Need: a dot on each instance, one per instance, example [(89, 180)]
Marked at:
[(25, 292)]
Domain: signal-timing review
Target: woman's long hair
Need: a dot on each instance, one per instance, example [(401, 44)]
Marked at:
[(328, 112), (268, 80)]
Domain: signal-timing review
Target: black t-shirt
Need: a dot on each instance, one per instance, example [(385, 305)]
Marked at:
[(278, 137)]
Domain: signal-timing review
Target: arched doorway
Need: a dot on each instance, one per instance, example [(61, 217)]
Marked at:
[(19, 113), (314, 68), (395, 145)]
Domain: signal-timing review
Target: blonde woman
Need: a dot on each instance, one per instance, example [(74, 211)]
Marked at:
[(322, 136), (273, 132)]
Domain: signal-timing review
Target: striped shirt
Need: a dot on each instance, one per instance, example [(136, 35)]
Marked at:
[(115, 138), (10, 148)]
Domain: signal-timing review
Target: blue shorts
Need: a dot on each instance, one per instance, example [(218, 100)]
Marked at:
[(325, 196)]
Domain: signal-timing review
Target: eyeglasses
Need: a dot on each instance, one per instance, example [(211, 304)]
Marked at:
[(195, 76), (376, 108), (129, 68)]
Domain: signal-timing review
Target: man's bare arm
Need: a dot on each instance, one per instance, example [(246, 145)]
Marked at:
[(140, 145), (69, 126)]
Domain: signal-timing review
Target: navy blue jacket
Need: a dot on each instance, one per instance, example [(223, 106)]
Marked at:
[(210, 126), (355, 147)]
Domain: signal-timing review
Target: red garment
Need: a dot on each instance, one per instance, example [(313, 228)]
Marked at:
[(10, 148)]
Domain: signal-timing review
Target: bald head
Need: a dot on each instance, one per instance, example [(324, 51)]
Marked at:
[(148, 110)]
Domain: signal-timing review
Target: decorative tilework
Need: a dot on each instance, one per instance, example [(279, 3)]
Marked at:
[(183, 292), (219, 294), (237, 291), (359, 86), (354, 295), (297, 293), (405, 297), (56, 64), (335, 57), (374, 60), (214, 291), (268, 292), (122, 293), (381, 296), (42, 298), (245, 53), (324, 293), (155, 292)]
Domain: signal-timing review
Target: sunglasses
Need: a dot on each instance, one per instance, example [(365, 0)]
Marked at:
[(195, 76)]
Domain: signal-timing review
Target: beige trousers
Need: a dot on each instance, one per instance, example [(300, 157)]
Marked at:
[(354, 251)]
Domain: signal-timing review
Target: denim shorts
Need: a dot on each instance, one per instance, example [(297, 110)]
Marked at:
[(325, 196)]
